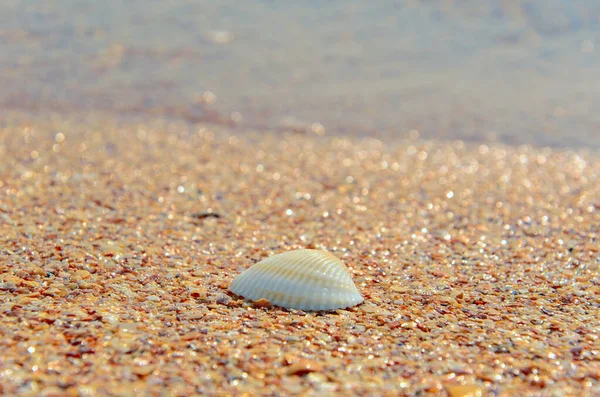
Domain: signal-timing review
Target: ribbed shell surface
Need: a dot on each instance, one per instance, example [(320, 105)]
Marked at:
[(302, 279)]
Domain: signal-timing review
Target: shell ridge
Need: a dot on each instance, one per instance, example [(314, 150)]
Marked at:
[(305, 286), (348, 291), (238, 283), (331, 266), (269, 271), (256, 288), (280, 285), (291, 273), (295, 291), (289, 285), (275, 288)]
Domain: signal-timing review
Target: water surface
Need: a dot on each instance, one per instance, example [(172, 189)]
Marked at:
[(515, 71)]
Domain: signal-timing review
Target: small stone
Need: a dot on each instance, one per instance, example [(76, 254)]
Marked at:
[(303, 367), (10, 287), (85, 285), (262, 302), (223, 299), (53, 291), (198, 293), (82, 274), (195, 315), (464, 390), (143, 370), (128, 327)]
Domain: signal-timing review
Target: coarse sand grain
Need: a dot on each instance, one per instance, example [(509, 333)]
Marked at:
[(478, 263)]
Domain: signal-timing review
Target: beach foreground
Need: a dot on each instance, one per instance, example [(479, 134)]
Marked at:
[(478, 263)]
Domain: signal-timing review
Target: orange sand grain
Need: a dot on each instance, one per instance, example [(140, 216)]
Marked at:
[(478, 263)]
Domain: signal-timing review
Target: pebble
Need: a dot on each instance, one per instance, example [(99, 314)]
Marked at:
[(303, 367), (464, 391)]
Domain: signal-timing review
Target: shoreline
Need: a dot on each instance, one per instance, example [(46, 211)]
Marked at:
[(182, 120)]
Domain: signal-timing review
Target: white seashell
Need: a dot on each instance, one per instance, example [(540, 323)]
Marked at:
[(302, 279)]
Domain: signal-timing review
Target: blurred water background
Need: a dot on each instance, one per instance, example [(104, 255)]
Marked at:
[(515, 71)]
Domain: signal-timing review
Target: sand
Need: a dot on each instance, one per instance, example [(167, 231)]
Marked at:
[(478, 263)]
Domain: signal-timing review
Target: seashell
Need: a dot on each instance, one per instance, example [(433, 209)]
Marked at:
[(301, 279)]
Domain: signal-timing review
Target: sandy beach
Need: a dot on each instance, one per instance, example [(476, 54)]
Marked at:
[(447, 152), (478, 263)]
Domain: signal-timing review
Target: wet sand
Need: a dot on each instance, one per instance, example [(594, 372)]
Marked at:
[(478, 263)]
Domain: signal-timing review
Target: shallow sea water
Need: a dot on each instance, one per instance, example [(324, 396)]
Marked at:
[(513, 71)]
